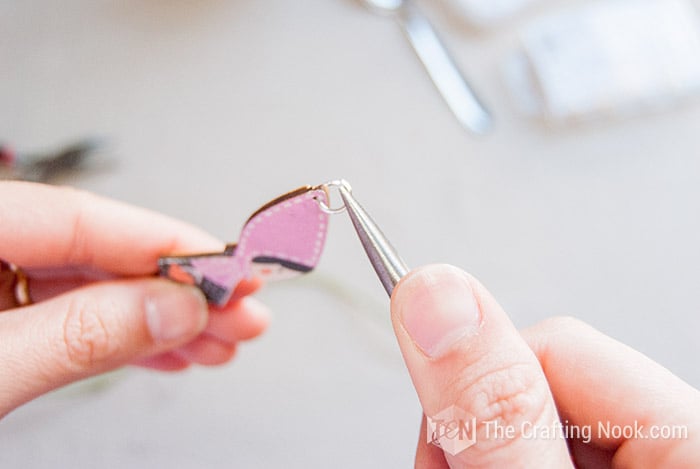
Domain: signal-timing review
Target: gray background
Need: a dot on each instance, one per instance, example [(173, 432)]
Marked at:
[(213, 107)]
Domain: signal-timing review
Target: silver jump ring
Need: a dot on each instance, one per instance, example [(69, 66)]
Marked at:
[(335, 183)]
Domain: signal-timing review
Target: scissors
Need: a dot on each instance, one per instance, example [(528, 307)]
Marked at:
[(387, 263)]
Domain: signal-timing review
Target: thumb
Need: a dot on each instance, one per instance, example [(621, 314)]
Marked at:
[(91, 330), (462, 350)]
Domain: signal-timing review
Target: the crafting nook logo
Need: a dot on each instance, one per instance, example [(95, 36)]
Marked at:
[(452, 429)]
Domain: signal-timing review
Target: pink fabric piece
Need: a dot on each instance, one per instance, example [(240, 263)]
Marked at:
[(293, 230), (222, 270), (290, 233)]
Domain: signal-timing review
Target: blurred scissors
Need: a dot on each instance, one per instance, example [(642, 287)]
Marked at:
[(387, 263)]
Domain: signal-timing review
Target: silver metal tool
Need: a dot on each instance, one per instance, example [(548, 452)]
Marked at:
[(449, 80), (387, 263)]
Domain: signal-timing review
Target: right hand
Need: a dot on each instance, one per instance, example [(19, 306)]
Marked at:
[(462, 349)]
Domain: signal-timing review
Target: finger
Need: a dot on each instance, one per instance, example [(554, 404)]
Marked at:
[(168, 361), (45, 226), (242, 320), (462, 350), (50, 282), (428, 456), (599, 381), (45, 283), (244, 288), (588, 455), (206, 351), (92, 330)]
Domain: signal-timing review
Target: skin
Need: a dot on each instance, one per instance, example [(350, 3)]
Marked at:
[(91, 263), (561, 369)]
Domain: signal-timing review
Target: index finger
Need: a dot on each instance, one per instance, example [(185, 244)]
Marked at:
[(46, 226), (610, 395)]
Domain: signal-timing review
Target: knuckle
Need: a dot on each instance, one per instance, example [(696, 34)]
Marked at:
[(86, 340), (509, 395), (513, 397), (78, 202), (79, 246), (512, 394)]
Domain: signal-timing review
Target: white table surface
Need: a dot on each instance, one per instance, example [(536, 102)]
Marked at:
[(238, 101)]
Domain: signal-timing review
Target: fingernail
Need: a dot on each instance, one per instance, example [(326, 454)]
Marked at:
[(437, 308), (175, 312), (256, 308)]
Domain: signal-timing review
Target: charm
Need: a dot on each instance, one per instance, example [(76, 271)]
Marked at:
[(283, 239)]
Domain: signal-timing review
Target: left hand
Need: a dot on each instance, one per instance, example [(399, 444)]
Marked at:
[(91, 265)]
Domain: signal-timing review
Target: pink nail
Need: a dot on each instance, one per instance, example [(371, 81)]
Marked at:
[(174, 312), (437, 307)]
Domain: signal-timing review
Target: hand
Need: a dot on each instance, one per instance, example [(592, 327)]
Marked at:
[(65, 240), (462, 349)]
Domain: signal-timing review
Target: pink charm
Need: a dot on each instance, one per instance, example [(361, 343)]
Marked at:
[(281, 240)]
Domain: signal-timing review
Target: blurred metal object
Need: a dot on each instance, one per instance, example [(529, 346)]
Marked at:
[(387, 263), (45, 167), (452, 85)]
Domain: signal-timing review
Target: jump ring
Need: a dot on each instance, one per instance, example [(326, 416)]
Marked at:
[(335, 183)]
